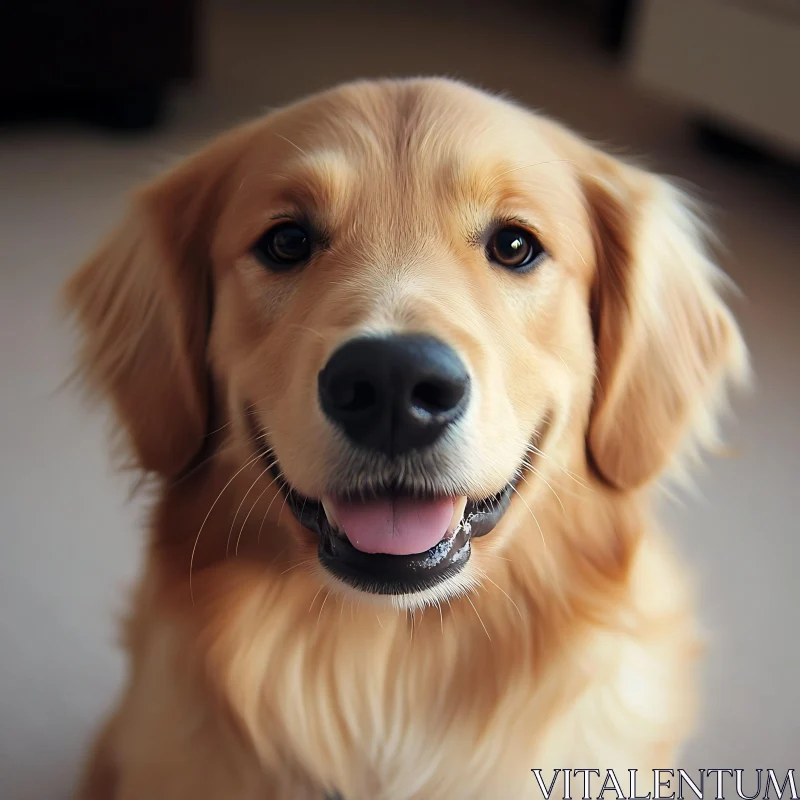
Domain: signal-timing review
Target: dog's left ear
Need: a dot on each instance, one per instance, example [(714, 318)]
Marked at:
[(666, 344)]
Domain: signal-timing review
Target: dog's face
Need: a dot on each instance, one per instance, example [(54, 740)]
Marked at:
[(414, 282), (406, 295)]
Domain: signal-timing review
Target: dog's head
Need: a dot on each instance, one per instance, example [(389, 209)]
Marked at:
[(402, 296)]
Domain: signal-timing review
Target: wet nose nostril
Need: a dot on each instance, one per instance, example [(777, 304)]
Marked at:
[(426, 396), (394, 394), (436, 397), (354, 396)]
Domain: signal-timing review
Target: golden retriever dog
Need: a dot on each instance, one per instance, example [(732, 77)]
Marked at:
[(404, 361)]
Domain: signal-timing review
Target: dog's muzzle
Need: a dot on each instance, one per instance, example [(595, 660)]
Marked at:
[(398, 528)]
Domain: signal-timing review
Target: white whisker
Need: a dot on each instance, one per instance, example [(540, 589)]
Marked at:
[(546, 483), (466, 595), (296, 146), (266, 513), (319, 616), (298, 564), (216, 500), (235, 516), (533, 164), (484, 575), (314, 599), (534, 449), (541, 532), (252, 508)]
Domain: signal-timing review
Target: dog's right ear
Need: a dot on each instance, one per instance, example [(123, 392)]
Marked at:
[(143, 302)]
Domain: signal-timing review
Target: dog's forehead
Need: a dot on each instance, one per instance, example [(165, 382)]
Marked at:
[(406, 135), (406, 118)]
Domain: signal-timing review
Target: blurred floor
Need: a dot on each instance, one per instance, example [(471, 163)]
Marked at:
[(69, 543)]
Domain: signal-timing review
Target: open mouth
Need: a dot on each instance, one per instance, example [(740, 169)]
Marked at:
[(395, 543)]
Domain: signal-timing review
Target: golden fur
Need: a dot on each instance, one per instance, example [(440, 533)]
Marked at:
[(569, 641)]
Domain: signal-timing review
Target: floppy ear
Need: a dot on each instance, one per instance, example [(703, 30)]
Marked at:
[(666, 343), (143, 303)]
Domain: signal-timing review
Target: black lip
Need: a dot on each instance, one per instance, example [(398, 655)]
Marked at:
[(382, 574), (379, 573)]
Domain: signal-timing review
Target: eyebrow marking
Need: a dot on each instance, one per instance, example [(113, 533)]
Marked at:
[(322, 164), (319, 181)]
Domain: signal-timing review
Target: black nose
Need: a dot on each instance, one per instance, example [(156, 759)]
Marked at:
[(394, 394)]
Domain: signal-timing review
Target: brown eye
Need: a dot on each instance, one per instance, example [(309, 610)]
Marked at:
[(514, 248), (283, 247)]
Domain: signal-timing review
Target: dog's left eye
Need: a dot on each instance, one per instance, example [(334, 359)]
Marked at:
[(283, 247), (514, 248)]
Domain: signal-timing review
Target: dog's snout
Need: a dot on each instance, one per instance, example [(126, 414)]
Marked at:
[(394, 394)]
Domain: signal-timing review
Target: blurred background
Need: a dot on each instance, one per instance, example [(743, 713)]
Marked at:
[(98, 95)]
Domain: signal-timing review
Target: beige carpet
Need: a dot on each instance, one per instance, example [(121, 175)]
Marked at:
[(69, 542)]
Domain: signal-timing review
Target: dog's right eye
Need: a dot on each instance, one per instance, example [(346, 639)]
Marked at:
[(283, 247), (515, 248)]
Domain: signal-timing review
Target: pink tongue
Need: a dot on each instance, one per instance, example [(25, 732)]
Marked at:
[(398, 527)]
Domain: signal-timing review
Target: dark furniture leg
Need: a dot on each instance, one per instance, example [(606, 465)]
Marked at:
[(618, 17)]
